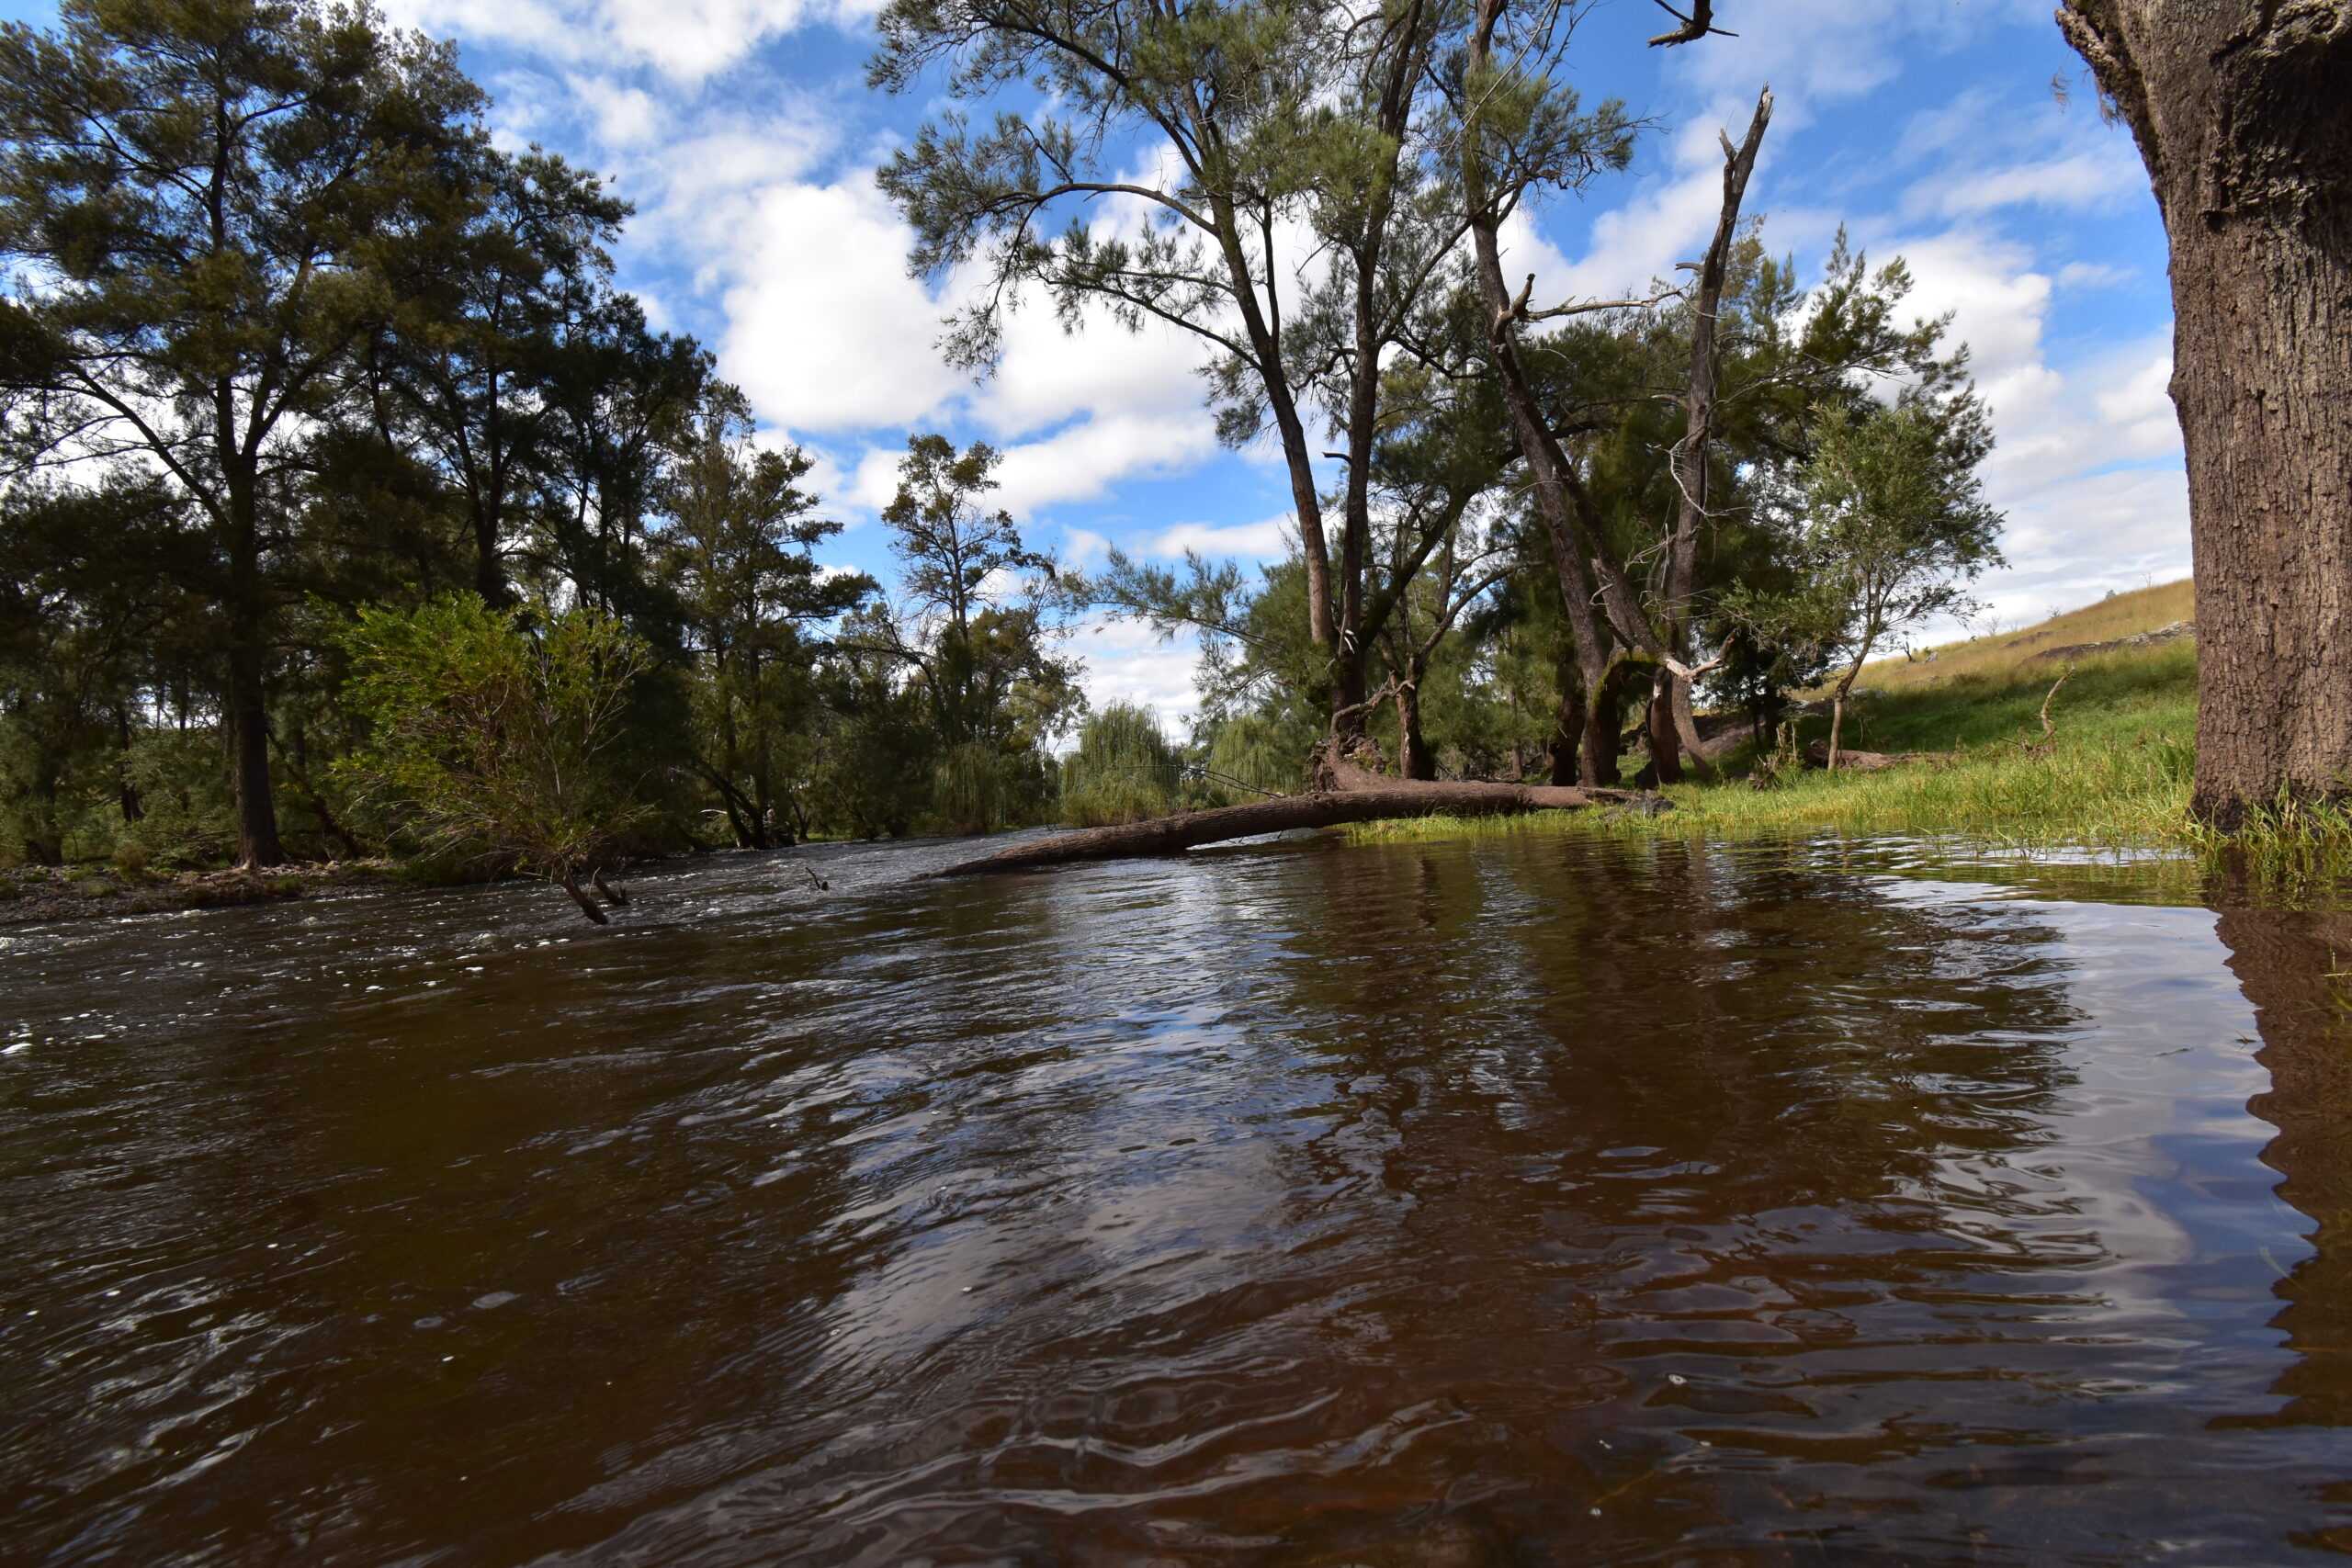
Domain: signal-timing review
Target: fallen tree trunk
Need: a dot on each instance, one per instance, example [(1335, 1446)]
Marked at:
[(1349, 794)]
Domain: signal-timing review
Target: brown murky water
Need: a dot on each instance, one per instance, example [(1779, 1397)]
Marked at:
[(1510, 1202)]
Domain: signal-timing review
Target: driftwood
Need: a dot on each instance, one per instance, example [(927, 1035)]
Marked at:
[(1345, 791)]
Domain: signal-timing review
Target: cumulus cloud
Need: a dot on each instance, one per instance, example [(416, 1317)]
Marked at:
[(1269, 539), (687, 40), (1129, 662)]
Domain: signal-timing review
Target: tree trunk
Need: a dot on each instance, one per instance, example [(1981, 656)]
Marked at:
[(2240, 113), (1666, 746), (133, 808), (1567, 730), (1413, 759), (257, 841), (1836, 722), (1347, 793), (612, 895)]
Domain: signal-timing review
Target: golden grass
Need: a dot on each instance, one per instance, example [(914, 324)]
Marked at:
[(2125, 615)]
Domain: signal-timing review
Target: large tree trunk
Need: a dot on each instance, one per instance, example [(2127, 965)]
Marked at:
[(1347, 793), (257, 841), (1567, 729), (1414, 759), (127, 791), (1666, 746), (2239, 110)]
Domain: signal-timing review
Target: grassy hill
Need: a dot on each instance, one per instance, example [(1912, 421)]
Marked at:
[(2111, 619)]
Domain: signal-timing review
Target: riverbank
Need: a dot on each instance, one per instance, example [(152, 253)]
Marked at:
[(2111, 774), (33, 894)]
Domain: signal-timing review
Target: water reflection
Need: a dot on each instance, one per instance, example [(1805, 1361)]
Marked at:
[(1518, 1201)]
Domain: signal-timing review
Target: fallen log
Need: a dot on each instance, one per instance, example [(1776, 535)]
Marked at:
[(1348, 793)]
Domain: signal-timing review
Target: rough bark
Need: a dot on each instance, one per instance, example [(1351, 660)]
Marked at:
[(1666, 745), (2240, 114), (1567, 729), (1347, 793), (257, 840)]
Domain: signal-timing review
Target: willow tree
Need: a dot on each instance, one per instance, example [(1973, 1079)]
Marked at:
[(2240, 111), (1277, 157), (199, 205)]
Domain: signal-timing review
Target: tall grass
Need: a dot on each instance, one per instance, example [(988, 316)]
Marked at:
[(1124, 770)]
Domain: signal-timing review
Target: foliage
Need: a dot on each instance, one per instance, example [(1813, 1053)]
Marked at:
[(498, 740), (1887, 526), (1123, 768)]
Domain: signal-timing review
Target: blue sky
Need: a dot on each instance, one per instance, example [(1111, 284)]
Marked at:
[(743, 132)]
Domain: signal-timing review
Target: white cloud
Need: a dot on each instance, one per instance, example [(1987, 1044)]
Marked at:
[(2100, 179), (624, 117), (1128, 662), (687, 41), (1269, 539), (2093, 275), (825, 331)]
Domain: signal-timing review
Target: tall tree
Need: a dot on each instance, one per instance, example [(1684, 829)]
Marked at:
[(474, 344), (2239, 108), (201, 202), (1888, 523), (1292, 227), (739, 549), (964, 566)]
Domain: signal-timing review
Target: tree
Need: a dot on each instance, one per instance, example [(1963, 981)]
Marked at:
[(739, 549), (203, 201), (985, 611), (500, 741), (1889, 525), (475, 342), (2239, 112), (1302, 159)]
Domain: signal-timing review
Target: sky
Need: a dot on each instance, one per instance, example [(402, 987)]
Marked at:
[(1958, 134)]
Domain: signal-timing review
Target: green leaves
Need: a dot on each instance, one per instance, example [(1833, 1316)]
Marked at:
[(495, 738)]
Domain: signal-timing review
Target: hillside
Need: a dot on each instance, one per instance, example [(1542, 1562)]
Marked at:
[(2110, 620)]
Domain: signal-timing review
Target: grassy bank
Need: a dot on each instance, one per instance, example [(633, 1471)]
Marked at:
[(2114, 777)]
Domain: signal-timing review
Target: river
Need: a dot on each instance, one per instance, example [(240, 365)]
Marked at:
[(1515, 1199)]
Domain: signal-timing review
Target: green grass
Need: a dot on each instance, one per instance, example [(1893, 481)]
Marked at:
[(2113, 782), (2116, 776)]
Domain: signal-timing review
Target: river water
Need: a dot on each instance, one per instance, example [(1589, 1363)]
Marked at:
[(1521, 1200)]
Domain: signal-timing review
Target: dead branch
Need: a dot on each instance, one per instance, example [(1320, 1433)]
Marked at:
[(2050, 730), (1696, 26)]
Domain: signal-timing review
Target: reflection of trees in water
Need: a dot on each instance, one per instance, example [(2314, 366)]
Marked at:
[(2296, 969), (1603, 1112), (1789, 1036)]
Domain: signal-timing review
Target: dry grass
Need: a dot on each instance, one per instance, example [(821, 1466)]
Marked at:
[(2125, 615)]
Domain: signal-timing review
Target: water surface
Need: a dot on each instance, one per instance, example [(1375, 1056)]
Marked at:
[(1515, 1201)]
